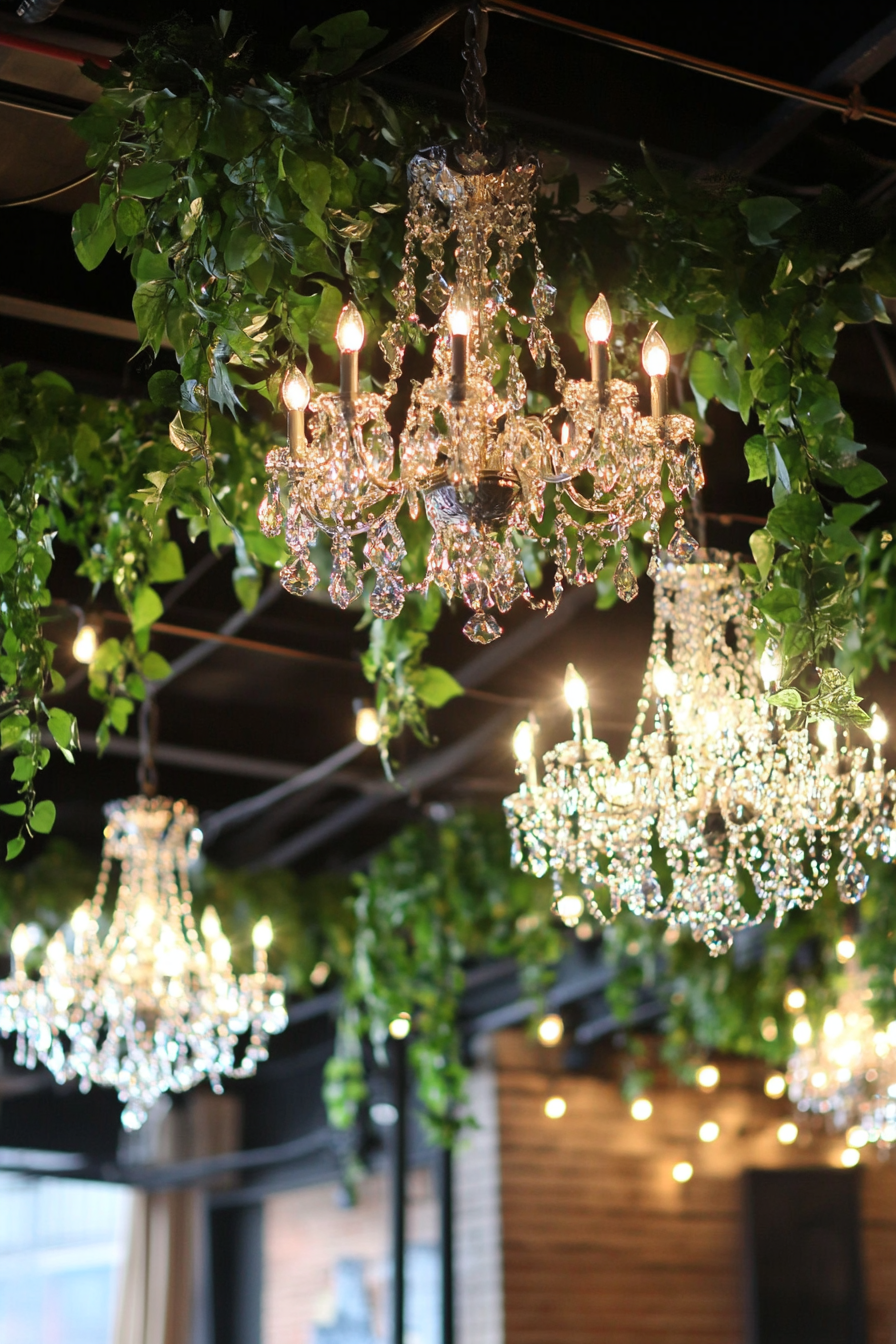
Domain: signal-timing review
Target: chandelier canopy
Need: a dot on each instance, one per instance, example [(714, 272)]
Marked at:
[(491, 475), (150, 1006), (739, 815)]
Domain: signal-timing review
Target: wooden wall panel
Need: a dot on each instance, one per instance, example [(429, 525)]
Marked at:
[(601, 1246)]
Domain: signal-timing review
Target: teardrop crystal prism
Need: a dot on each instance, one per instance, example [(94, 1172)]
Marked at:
[(624, 579), (299, 577), (481, 628), (682, 545)]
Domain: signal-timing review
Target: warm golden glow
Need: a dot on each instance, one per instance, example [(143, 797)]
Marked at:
[(788, 1132), (599, 321), (642, 1108), (210, 924), (775, 1085), (555, 1108), (367, 726), (795, 1000), (550, 1029), (826, 731), (20, 942), (878, 729), (708, 1077), (295, 392), (570, 909), (849, 1158), (320, 974), (833, 1026), (350, 330), (769, 1029), (682, 1172), (575, 689), (802, 1031), (523, 742), (709, 1131), (770, 664), (664, 679), (655, 354), (263, 934), (857, 1137), (400, 1026), (84, 645), (846, 948), (460, 312)]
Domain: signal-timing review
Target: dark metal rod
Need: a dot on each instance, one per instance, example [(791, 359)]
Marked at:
[(399, 1182), (447, 1211)]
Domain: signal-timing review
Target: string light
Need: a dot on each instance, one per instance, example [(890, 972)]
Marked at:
[(846, 949), (85, 644), (555, 1108), (641, 1108), (550, 1029), (682, 1172), (400, 1026), (849, 1157), (367, 726), (775, 1085), (709, 1131), (708, 1077), (788, 1133), (152, 1007), (795, 1000)]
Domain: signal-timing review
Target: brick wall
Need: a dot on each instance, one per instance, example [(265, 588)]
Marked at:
[(601, 1246)]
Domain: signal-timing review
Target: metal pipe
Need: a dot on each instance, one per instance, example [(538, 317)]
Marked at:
[(447, 1238), (53, 52), (399, 1183)]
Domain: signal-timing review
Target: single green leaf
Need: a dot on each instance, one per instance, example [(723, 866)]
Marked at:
[(762, 545), (796, 519), (147, 608), (93, 233), (147, 180), (765, 215), (787, 699), (14, 847), (130, 216), (63, 728), (435, 687), (166, 564), (43, 818), (13, 809), (154, 667)]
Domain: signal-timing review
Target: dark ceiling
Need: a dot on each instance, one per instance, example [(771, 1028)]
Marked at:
[(241, 721)]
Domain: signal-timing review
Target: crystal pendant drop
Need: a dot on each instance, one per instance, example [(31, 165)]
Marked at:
[(300, 576), (852, 880), (482, 628), (270, 514), (624, 579), (387, 598), (682, 545)]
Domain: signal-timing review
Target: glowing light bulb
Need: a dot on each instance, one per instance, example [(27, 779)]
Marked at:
[(833, 1026), (84, 645), (523, 742), (819, 1079), (849, 1158), (802, 1031), (642, 1108), (598, 321), (367, 726), (570, 909), (682, 1172), (846, 948), (80, 921), (770, 664), (775, 1085), (857, 1137), (664, 679), (708, 1077), (210, 924), (709, 1131), (655, 354), (550, 1029), (788, 1132), (564, 434), (878, 729), (795, 1000), (555, 1108), (574, 689), (295, 391), (320, 974), (460, 312), (769, 1029), (826, 732), (400, 1026), (220, 950), (263, 933), (20, 942), (350, 330)]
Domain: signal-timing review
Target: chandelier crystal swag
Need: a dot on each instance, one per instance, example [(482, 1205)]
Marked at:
[(491, 476), (748, 818), (153, 1005)]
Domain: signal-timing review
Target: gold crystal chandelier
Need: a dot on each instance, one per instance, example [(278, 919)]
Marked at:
[(846, 1071), (742, 817), (490, 475), (151, 1004)]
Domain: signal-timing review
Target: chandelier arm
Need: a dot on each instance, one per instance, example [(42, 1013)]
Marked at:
[(147, 774)]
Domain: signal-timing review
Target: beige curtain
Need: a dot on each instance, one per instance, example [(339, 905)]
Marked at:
[(156, 1305)]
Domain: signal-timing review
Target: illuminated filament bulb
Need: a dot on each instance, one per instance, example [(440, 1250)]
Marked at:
[(655, 354), (770, 664), (569, 909), (598, 321), (576, 692), (210, 924), (664, 679), (878, 729), (84, 645), (349, 330), (20, 943), (826, 731), (367, 726), (460, 312), (295, 391), (263, 934), (523, 742)]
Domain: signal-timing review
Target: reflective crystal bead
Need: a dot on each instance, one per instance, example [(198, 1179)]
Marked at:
[(694, 472), (387, 598), (852, 880), (624, 579), (682, 545), (544, 297), (436, 292), (482, 628), (270, 515), (345, 583), (299, 577)]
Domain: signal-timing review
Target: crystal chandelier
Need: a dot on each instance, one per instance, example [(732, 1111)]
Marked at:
[(491, 477), (846, 1072), (745, 816), (149, 1007)]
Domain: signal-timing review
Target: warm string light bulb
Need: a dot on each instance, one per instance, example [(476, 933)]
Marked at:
[(550, 1029), (85, 644), (795, 1000), (878, 729), (575, 692), (569, 910), (400, 1027), (682, 1172), (845, 949), (708, 1077), (775, 1085), (665, 681), (367, 726), (641, 1108), (709, 1131), (555, 1108), (788, 1133)]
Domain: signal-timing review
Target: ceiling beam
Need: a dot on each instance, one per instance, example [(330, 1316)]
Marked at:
[(72, 319), (874, 50)]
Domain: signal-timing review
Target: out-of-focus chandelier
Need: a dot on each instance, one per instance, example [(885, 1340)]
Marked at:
[(151, 1006), (847, 1070), (745, 816), (490, 475)]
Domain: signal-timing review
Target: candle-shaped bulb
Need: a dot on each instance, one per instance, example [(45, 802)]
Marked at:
[(655, 354), (523, 742), (295, 392), (84, 645), (263, 934), (878, 729), (827, 734), (599, 321), (210, 924), (770, 664), (460, 311), (664, 679), (349, 330), (20, 942), (575, 690)]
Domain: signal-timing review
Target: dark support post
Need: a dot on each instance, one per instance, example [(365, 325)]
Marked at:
[(399, 1180), (447, 1247)]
